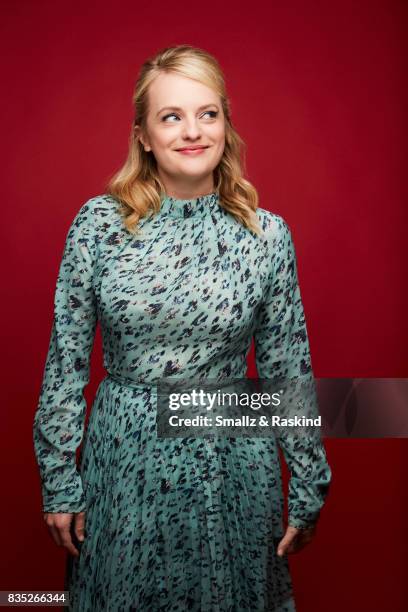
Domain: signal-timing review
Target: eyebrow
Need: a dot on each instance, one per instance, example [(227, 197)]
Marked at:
[(177, 108)]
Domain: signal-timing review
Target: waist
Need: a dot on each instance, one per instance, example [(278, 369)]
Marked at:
[(172, 383), (126, 382)]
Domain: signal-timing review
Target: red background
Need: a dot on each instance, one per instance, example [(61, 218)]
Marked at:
[(318, 94)]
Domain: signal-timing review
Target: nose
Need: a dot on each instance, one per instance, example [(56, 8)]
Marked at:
[(191, 128)]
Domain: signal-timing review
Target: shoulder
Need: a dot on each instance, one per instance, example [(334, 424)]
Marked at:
[(98, 209), (97, 216), (278, 242), (275, 228)]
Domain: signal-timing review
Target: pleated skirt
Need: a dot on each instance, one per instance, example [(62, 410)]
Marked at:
[(175, 524)]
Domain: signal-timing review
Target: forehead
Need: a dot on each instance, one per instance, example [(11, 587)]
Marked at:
[(169, 89)]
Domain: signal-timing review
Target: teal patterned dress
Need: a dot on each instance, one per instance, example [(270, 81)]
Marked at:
[(184, 523)]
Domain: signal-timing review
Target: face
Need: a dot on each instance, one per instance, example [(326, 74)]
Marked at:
[(184, 113)]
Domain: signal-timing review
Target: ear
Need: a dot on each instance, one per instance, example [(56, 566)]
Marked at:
[(139, 136)]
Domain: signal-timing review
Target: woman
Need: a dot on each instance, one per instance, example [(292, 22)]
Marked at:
[(182, 269)]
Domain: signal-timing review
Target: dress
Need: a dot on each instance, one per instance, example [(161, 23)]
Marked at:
[(185, 523)]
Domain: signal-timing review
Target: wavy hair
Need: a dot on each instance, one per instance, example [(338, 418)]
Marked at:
[(137, 185)]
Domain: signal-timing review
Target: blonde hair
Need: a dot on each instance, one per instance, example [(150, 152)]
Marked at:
[(137, 185)]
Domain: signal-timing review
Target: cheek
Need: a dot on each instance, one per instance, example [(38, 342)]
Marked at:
[(162, 143), (219, 139), (217, 132), (218, 136)]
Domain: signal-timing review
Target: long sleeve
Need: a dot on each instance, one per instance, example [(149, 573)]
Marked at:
[(59, 419), (282, 352)]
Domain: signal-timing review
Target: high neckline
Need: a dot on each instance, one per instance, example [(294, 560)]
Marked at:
[(190, 207)]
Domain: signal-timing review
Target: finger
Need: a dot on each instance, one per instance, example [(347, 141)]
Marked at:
[(80, 526), (66, 541), (285, 542), (54, 534), (294, 546), (49, 519), (300, 541)]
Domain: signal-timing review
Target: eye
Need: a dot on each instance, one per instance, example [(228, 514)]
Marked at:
[(170, 115), (211, 112)]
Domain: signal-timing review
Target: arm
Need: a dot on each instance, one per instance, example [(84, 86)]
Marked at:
[(59, 419), (282, 351)]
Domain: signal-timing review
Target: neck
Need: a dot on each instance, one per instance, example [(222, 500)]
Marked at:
[(186, 190)]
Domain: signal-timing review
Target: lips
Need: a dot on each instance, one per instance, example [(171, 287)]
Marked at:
[(191, 148)]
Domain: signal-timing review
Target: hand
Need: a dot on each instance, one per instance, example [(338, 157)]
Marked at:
[(59, 524), (295, 539)]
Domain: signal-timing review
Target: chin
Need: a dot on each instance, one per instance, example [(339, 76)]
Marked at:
[(197, 172)]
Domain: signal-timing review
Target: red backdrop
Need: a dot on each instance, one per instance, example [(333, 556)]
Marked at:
[(318, 94)]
